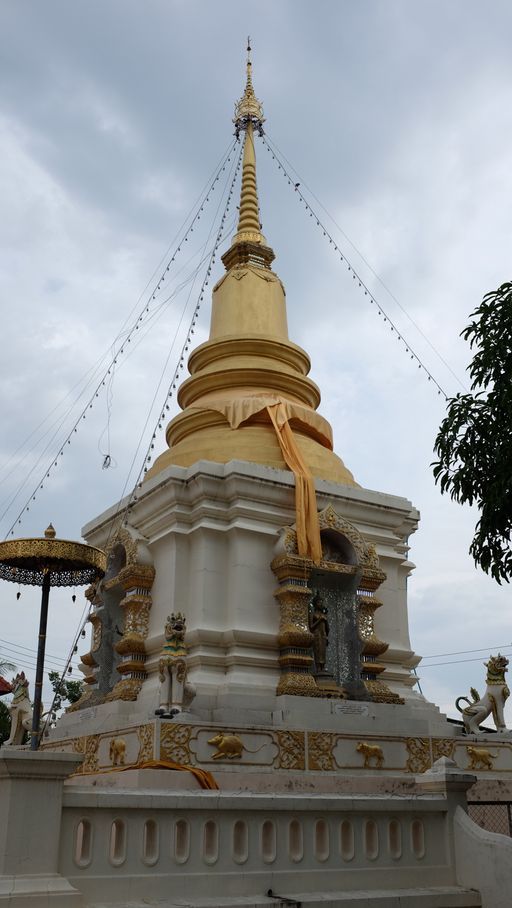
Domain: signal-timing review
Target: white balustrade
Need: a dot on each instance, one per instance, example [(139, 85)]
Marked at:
[(320, 831), (117, 843), (295, 841), (283, 838)]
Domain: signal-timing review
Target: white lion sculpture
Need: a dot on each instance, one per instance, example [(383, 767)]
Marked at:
[(175, 692), (493, 700), (20, 709)]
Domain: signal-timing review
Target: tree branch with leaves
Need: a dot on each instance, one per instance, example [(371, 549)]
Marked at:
[(474, 442), (65, 691)]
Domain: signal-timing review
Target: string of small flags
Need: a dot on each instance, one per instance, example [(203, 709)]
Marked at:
[(144, 315), (355, 275), (186, 346)]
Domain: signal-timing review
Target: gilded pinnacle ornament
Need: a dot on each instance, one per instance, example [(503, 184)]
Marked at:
[(48, 562), (248, 109)]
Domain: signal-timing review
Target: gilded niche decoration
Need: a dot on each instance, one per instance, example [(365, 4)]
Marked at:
[(175, 743), (115, 666), (425, 751), (320, 750), (419, 755), (443, 747), (145, 735), (346, 556), (292, 750), (90, 751)]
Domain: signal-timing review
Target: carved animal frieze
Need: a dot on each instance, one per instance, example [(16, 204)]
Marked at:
[(230, 746), (480, 758), (371, 753), (117, 751)]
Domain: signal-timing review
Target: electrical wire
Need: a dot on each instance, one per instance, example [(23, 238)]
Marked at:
[(105, 382), (163, 259), (85, 615), (368, 265), (31, 667), (28, 650), (174, 381), (465, 652), (355, 275), (135, 326), (154, 313), (453, 662), (81, 627)]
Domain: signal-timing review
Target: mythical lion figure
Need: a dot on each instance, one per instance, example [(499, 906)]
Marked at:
[(493, 700), (175, 692), (20, 709)]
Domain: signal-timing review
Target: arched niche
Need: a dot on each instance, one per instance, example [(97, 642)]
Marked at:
[(346, 578), (110, 612), (336, 548), (114, 667)]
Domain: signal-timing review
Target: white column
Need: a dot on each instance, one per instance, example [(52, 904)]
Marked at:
[(31, 786)]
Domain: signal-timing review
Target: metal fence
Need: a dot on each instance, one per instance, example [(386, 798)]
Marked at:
[(495, 816)]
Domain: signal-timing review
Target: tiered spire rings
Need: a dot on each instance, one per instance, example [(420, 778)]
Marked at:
[(248, 245)]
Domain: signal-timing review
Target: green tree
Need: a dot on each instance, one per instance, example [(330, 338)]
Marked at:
[(6, 666), (65, 691), (474, 443), (5, 716), (5, 722)]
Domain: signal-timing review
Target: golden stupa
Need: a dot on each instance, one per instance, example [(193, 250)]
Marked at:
[(248, 396)]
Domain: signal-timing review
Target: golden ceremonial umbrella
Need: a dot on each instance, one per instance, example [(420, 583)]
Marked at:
[(47, 562)]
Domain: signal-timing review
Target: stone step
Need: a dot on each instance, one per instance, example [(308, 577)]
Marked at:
[(437, 897)]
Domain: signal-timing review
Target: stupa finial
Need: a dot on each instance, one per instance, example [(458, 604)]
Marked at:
[(249, 244), (248, 110)]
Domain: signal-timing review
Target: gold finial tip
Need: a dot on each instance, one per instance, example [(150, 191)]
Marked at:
[(248, 108), (50, 532)]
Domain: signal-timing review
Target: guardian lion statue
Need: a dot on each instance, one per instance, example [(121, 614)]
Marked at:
[(20, 709), (493, 701), (175, 693)]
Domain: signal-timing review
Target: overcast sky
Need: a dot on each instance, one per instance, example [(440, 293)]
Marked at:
[(113, 116)]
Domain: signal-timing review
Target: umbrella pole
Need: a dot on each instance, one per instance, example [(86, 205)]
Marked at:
[(41, 645)]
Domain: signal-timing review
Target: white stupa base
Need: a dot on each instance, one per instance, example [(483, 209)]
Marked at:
[(211, 532)]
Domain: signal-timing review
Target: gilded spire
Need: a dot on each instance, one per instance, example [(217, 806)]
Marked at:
[(248, 109), (249, 219), (249, 244), (248, 391)]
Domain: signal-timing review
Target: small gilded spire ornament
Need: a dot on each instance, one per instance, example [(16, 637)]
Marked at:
[(248, 109), (249, 246)]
